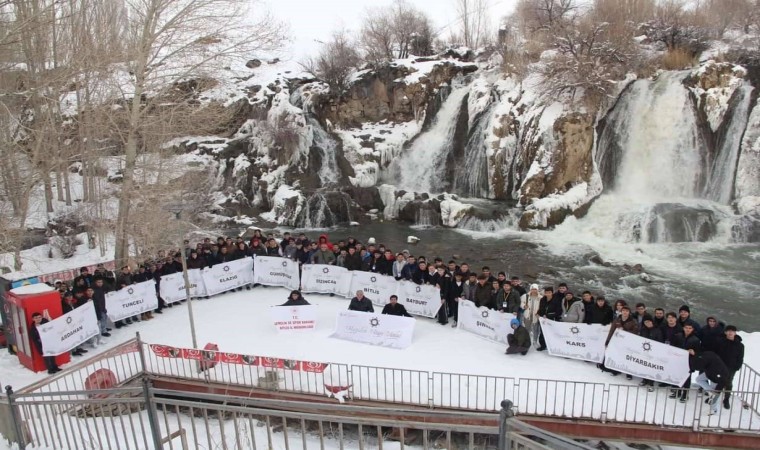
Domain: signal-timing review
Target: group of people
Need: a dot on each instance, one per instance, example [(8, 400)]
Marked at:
[(715, 349)]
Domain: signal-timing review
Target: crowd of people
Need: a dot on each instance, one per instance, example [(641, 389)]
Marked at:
[(716, 351)]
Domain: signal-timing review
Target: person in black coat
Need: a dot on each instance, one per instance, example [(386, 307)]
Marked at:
[(649, 331), (600, 312), (361, 303), (296, 299), (421, 275), (550, 308), (731, 351), (195, 261), (454, 292), (34, 335), (99, 299), (712, 332), (68, 304), (691, 344), (713, 370), (353, 259), (394, 308)]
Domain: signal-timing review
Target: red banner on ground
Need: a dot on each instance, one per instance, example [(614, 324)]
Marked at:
[(165, 351)]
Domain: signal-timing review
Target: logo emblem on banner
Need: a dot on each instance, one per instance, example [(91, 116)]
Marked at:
[(374, 322), (484, 314), (130, 291), (575, 330), (326, 270), (68, 320), (284, 264), (646, 346), (418, 289), (373, 279), (226, 268)]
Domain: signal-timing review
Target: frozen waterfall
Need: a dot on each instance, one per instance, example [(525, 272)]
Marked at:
[(422, 166), (327, 148), (653, 155)]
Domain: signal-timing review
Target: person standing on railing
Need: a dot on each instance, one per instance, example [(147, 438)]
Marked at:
[(731, 351)]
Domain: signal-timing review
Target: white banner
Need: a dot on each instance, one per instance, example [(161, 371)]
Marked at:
[(651, 360), (291, 319), (69, 331), (575, 340), (172, 287), (419, 299), (375, 329), (227, 276), (326, 279), (376, 287), (275, 271), (132, 300), (484, 322)]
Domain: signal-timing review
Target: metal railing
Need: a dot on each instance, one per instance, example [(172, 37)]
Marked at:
[(144, 417), (622, 403)]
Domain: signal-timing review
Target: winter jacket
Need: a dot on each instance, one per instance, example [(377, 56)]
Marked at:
[(710, 337), (454, 291), (732, 352), (468, 291), (530, 305), (395, 310), (324, 240), (654, 333), (712, 366), (442, 281), (407, 271), (550, 309), (123, 279), (420, 277), (483, 295), (353, 262), (384, 267), (697, 327), (692, 342), (34, 335), (364, 305), (99, 298), (602, 316), (398, 267), (300, 301), (576, 313), (290, 251), (672, 335), (198, 262), (259, 250), (326, 257), (273, 251), (520, 338), (512, 300), (629, 325)]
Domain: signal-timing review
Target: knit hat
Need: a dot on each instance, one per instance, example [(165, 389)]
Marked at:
[(684, 308), (534, 286), (514, 323)]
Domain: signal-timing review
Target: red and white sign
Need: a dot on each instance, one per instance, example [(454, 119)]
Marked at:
[(290, 319)]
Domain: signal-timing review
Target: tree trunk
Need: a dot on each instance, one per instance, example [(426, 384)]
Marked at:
[(48, 187), (66, 185), (59, 184)]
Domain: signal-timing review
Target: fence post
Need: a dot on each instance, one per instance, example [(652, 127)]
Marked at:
[(150, 407), (142, 353), (504, 414), (16, 419)]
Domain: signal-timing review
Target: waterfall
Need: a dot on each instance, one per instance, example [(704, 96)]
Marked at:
[(471, 179), (720, 185), (653, 154), (422, 167), (662, 147), (322, 142)]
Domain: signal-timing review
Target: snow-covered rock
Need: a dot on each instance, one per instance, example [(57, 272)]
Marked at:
[(453, 211), (748, 169)]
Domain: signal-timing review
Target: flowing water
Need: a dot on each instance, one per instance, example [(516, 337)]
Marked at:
[(422, 167)]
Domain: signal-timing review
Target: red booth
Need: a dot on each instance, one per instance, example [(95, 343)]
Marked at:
[(20, 304)]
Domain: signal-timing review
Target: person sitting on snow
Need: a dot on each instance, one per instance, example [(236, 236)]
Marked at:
[(519, 341), (296, 299), (361, 303), (394, 308)]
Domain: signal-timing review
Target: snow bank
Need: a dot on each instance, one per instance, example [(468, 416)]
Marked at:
[(286, 204), (453, 211), (748, 169), (716, 98), (749, 205), (541, 209)]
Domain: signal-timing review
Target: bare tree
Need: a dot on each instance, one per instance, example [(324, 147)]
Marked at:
[(396, 32), (473, 18), (336, 63), (171, 41)]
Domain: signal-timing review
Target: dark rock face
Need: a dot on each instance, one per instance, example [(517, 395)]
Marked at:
[(367, 198), (326, 209), (674, 222), (746, 229)]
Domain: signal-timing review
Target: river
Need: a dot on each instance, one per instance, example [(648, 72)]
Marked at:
[(713, 279)]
